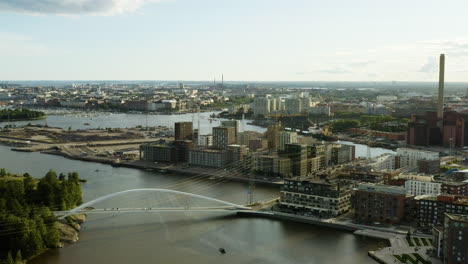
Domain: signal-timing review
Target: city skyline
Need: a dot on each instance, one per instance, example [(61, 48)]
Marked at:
[(245, 40)]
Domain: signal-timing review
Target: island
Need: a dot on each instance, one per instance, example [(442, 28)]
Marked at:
[(20, 114), (28, 226)]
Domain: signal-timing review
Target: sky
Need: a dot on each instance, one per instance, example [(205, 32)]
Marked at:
[(246, 40)]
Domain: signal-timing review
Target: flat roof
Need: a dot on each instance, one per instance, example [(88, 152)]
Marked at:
[(458, 217)]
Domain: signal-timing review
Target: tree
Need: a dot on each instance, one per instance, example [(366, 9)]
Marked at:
[(9, 259), (343, 125), (3, 172), (18, 258)]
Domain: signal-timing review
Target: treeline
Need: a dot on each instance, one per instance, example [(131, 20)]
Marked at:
[(383, 123), (18, 114), (27, 224)]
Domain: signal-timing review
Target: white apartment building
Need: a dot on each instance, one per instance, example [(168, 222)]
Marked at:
[(409, 157), (384, 162), (205, 140), (415, 187), (261, 106), (293, 106)]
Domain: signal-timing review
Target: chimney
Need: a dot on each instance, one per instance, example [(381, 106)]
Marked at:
[(440, 102)]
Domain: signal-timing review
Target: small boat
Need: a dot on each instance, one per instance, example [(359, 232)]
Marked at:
[(222, 250), (86, 124)]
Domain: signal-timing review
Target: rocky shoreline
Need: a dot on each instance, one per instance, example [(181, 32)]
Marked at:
[(69, 229)]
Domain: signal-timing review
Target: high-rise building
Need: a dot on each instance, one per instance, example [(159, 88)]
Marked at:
[(261, 106), (235, 124), (455, 248), (236, 153), (223, 137), (273, 136), (293, 106), (183, 131), (450, 240), (286, 137), (298, 155), (341, 153)]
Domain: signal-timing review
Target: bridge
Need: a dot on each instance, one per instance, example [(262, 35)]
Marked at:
[(154, 200)]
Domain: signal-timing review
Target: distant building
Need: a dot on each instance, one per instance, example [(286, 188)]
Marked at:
[(158, 153), (257, 144), (379, 203), (429, 166), (183, 146), (428, 130), (273, 136), (320, 198), (455, 188), (320, 110), (386, 98), (236, 153), (341, 153), (232, 123), (407, 157), (426, 187), (431, 209), (262, 106), (244, 137), (286, 137), (293, 106), (207, 158), (298, 155), (205, 140), (223, 136), (273, 166), (183, 131)]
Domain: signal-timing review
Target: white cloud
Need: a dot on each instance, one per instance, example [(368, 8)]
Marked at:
[(72, 7), (431, 65)]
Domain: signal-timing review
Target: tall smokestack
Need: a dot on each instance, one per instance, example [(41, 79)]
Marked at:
[(440, 103)]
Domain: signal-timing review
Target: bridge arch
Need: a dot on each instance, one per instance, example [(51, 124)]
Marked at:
[(108, 196)]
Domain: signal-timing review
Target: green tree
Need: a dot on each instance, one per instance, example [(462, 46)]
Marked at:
[(3, 172), (343, 125), (18, 258), (9, 259)]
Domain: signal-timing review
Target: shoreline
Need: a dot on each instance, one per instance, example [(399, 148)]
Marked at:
[(193, 171), (23, 119), (68, 229)]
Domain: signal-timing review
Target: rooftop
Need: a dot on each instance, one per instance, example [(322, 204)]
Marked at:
[(458, 217), (372, 187)]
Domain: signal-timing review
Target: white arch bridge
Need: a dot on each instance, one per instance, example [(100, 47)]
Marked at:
[(152, 200)]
